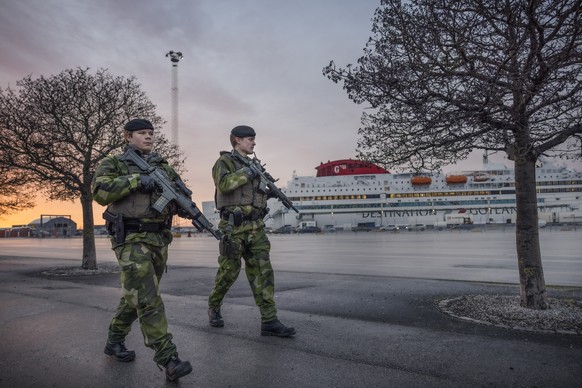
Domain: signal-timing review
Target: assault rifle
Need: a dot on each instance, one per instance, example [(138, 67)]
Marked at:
[(267, 181), (180, 194)]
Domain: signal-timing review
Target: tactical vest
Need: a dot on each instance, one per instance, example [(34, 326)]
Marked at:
[(246, 194), (138, 204)]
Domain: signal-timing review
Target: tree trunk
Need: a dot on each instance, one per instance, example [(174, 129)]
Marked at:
[(89, 251), (529, 258)]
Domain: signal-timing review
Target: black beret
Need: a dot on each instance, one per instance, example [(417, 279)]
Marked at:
[(243, 131), (137, 124)]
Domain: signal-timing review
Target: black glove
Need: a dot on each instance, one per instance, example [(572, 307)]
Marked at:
[(147, 183), (184, 214), (271, 194), (182, 187)]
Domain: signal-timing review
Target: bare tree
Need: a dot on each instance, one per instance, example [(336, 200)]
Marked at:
[(57, 129), (443, 78), (15, 192)]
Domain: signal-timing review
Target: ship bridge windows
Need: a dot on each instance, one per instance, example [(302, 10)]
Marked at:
[(451, 193), (560, 190), (335, 197), (441, 204), (441, 198), (560, 183)]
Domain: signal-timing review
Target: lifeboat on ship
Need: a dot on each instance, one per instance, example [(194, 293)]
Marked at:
[(452, 179), (481, 177), (421, 180)]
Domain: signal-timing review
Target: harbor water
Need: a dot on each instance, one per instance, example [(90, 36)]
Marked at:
[(470, 255)]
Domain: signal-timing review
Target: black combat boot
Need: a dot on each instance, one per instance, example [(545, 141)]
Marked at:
[(119, 352), (176, 368), (215, 318), (277, 329)]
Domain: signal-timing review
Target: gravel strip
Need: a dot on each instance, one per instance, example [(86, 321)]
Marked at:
[(105, 268), (563, 317)]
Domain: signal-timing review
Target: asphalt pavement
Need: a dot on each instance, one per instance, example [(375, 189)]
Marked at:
[(352, 331)]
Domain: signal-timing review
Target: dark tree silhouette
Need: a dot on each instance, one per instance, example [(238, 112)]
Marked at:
[(443, 78), (57, 129), (15, 192)]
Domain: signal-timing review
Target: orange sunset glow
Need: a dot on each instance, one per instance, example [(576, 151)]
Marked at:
[(52, 208), (73, 208)]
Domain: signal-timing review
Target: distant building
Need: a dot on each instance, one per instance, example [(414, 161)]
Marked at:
[(210, 212), (53, 226), (16, 231)]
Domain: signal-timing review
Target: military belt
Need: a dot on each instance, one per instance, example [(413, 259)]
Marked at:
[(136, 227), (253, 216)]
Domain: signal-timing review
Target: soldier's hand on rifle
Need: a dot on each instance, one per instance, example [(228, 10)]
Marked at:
[(271, 194), (147, 183), (182, 187), (184, 214)]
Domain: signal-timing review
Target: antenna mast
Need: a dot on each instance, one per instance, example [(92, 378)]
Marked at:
[(175, 57)]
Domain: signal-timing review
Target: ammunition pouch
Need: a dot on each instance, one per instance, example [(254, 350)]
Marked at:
[(114, 225), (228, 247), (224, 246)]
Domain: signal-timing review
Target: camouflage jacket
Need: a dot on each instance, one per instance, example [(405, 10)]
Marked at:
[(234, 188), (116, 185)]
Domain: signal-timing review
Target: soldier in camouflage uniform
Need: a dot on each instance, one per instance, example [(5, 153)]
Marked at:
[(140, 237), (242, 209)]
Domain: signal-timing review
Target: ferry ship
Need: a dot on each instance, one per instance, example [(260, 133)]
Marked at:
[(347, 194)]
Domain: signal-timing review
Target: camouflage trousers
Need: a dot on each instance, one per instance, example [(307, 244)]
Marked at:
[(250, 242), (142, 267)]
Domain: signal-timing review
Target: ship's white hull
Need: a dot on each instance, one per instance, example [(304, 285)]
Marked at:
[(485, 197)]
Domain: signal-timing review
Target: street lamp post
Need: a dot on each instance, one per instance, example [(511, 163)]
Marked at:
[(175, 57)]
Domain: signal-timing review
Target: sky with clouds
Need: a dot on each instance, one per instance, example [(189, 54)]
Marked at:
[(253, 62)]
